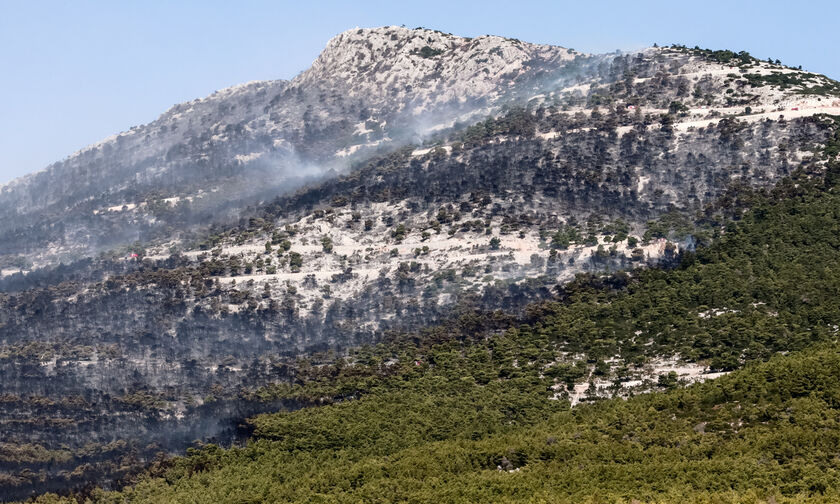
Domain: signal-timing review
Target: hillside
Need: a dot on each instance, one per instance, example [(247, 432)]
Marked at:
[(764, 434), (479, 410), (568, 227), (763, 287), (203, 160)]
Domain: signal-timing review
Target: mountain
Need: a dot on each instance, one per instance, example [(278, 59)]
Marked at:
[(210, 157), (412, 190)]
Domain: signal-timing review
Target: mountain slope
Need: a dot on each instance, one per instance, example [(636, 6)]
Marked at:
[(764, 287), (442, 180), (765, 434), (464, 413), (249, 142)]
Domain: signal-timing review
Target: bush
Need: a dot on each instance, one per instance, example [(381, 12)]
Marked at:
[(295, 261), (327, 244)]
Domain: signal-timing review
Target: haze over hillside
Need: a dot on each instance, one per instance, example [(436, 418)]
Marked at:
[(369, 88)]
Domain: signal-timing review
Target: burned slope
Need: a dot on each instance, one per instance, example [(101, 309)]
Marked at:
[(177, 329), (203, 160)]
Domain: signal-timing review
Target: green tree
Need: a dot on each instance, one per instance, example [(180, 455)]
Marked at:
[(295, 261), (327, 244)]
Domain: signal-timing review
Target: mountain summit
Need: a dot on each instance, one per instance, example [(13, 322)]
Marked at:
[(399, 68)]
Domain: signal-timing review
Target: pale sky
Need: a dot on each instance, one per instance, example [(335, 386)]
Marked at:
[(72, 73)]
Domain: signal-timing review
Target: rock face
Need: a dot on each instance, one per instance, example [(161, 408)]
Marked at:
[(396, 70), (407, 177)]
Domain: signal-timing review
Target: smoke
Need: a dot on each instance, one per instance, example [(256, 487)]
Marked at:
[(440, 121)]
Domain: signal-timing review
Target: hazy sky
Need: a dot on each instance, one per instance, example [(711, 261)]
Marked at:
[(72, 73)]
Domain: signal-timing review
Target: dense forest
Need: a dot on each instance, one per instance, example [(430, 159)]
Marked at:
[(768, 433)]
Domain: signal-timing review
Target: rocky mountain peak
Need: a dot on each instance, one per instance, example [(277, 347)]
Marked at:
[(425, 67)]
